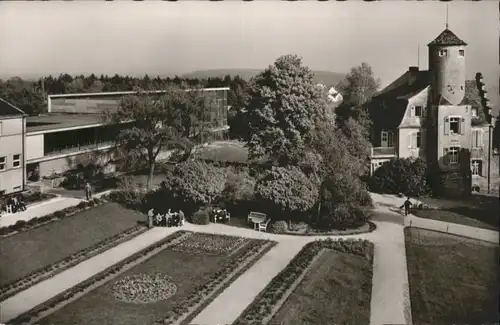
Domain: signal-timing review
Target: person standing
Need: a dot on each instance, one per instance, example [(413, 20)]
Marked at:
[(407, 206), (88, 190), (151, 214)]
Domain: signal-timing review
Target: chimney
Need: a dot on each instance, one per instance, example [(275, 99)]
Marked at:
[(413, 72)]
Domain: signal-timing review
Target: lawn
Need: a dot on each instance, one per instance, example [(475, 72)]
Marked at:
[(224, 151), (180, 268), (40, 247), (337, 290), (453, 280), (477, 211)]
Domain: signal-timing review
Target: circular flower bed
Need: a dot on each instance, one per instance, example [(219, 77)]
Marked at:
[(144, 288)]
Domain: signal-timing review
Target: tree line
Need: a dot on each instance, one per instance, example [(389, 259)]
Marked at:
[(31, 95)]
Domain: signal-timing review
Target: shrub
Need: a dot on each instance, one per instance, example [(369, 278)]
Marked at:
[(279, 227), (91, 203), (288, 189), (201, 217), (401, 175), (240, 185), (20, 224), (60, 214), (81, 205)]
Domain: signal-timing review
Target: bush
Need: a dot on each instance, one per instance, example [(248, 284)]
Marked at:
[(20, 224), (201, 217), (344, 216), (82, 205), (60, 214), (402, 175), (239, 185), (129, 198), (279, 227)]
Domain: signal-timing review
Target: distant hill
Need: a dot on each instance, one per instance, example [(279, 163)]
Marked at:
[(326, 77)]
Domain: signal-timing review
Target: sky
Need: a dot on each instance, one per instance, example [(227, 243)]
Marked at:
[(166, 38)]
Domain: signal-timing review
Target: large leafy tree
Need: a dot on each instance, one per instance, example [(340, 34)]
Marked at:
[(287, 188), (167, 122), (284, 102)]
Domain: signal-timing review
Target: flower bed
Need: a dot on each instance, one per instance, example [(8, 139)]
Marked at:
[(22, 225), (368, 227), (144, 288), (183, 312), (37, 276), (210, 243), (198, 278), (96, 280), (262, 309)]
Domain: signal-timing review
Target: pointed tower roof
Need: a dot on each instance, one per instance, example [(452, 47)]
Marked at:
[(446, 38)]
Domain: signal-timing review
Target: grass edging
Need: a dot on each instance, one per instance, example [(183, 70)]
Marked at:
[(51, 270), (371, 228), (96, 280), (22, 226), (262, 307), (220, 281)]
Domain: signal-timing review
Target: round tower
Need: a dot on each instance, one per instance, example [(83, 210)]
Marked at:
[(447, 69)]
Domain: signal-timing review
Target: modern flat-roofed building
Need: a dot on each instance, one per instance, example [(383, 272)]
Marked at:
[(12, 148), (73, 131)]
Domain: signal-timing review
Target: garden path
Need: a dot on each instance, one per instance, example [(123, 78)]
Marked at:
[(392, 202), (38, 210)]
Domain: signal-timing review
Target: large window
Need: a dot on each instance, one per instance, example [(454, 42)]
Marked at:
[(452, 154), (477, 167), (454, 125), (3, 161), (419, 111), (461, 52), (416, 140), (443, 52)]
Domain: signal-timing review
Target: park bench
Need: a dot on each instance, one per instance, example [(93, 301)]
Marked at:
[(258, 219)]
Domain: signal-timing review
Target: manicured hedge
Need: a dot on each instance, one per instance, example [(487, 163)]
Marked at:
[(70, 293), (42, 274), (261, 308), (22, 225)]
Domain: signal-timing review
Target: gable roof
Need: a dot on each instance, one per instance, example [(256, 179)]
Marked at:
[(446, 38), (7, 109)]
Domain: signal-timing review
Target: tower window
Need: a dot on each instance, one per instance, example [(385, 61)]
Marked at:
[(454, 125), (443, 52), (474, 112), (461, 52), (419, 111), (452, 153)]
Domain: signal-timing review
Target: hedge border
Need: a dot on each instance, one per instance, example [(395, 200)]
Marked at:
[(53, 269), (265, 305), (184, 311), (371, 227), (97, 279), (22, 225)]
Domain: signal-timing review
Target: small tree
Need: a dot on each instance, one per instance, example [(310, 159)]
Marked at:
[(168, 122), (288, 189), (402, 175)]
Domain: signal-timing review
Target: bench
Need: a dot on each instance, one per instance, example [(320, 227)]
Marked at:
[(263, 225), (257, 216)]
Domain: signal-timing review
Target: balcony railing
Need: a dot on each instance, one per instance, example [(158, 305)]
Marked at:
[(383, 151)]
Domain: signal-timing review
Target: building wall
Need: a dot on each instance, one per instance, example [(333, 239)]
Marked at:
[(11, 143), (405, 150), (482, 153), (447, 73), (445, 141), (34, 146)]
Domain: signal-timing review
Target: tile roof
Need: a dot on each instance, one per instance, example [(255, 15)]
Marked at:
[(7, 109), (446, 38)]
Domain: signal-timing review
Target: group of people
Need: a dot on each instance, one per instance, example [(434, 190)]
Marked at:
[(168, 219), (219, 215), (14, 204)]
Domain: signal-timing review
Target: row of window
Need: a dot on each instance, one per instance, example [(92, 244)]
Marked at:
[(16, 161), (387, 139), (452, 153), (445, 52)]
